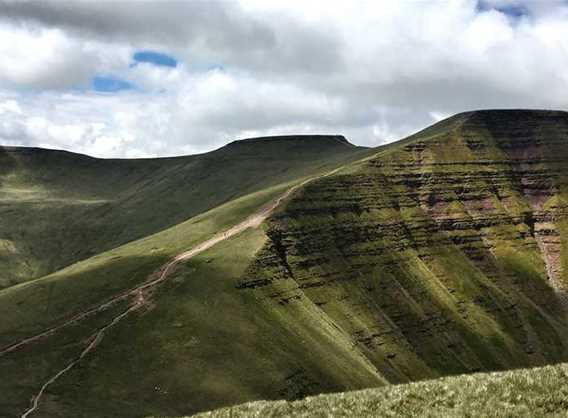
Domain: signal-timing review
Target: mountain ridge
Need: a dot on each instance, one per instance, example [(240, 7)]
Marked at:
[(274, 138), (457, 193), (437, 255), (108, 202)]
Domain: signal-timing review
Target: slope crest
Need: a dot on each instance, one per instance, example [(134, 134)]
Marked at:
[(442, 254)]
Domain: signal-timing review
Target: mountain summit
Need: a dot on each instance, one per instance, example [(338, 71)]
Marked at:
[(337, 269), (441, 254)]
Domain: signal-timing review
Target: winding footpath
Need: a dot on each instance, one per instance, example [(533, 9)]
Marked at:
[(139, 293)]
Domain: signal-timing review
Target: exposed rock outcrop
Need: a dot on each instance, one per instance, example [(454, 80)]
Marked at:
[(442, 254)]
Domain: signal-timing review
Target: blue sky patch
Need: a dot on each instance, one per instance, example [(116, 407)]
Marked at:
[(513, 10), (109, 84), (156, 58), (216, 67)]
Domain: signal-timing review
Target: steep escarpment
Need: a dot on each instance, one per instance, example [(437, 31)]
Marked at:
[(443, 254)]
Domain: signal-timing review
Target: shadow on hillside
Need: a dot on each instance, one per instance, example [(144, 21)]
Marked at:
[(31, 308), (51, 301), (8, 164)]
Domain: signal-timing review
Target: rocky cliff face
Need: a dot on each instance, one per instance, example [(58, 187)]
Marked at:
[(445, 253)]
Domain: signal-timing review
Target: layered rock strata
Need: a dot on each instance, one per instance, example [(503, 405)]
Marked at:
[(443, 254)]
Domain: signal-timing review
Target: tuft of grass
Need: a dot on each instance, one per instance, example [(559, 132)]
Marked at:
[(537, 392)]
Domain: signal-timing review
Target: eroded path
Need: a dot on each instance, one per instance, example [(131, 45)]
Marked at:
[(140, 293)]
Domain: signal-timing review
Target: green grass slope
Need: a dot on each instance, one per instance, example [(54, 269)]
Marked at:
[(154, 345), (439, 255), (198, 345), (57, 208), (530, 393), (443, 254)]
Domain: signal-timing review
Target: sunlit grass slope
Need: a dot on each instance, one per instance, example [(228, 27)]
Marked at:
[(35, 305), (530, 393), (198, 345), (439, 255), (57, 208), (442, 254)]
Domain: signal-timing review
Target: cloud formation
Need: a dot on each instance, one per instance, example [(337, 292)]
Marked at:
[(374, 72)]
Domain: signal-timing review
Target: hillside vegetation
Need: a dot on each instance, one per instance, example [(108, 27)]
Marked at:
[(444, 254), (526, 393), (57, 208), (438, 255), (36, 305)]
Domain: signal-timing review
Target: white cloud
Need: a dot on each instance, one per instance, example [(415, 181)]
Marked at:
[(35, 57), (152, 77), (10, 106), (205, 110), (374, 71)]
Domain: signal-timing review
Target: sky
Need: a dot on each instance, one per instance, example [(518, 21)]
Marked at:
[(159, 78)]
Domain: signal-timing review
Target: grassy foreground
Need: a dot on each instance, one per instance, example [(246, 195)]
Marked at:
[(535, 392)]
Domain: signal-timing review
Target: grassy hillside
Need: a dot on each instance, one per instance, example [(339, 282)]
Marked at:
[(443, 254), (526, 393), (439, 255), (36, 305), (57, 208), (198, 345)]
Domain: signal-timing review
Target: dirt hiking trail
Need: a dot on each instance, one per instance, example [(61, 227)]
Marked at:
[(139, 294)]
